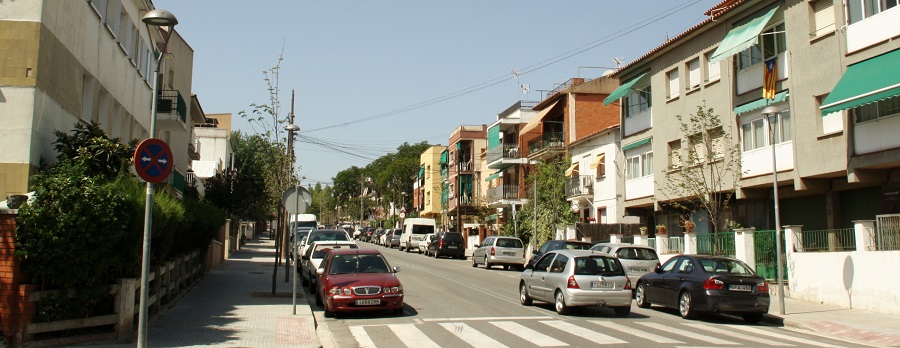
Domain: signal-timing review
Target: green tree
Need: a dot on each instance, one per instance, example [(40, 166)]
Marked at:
[(553, 211)]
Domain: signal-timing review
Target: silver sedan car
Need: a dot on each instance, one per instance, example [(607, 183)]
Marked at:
[(570, 278)]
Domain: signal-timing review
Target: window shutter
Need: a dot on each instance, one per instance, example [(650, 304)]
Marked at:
[(694, 74), (673, 83), (823, 17), (718, 142)]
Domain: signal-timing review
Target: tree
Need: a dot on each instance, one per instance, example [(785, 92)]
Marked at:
[(553, 211), (705, 176)]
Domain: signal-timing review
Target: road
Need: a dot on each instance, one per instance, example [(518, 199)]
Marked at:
[(451, 304)]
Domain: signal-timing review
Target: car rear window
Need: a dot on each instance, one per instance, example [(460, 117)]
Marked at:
[(577, 246), (509, 243), (398, 232), (725, 266), (327, 236), (321, 250), (637, 254), (452, 237), (598, 265)]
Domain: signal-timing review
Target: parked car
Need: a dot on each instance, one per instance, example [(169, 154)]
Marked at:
[(447, 244), (414, 229), (393, 240), (638, 260), (323, 235), (351, 280), (557, 244), (311, 260), (698, 283), (500, 250), (423, 244), (570, 278)]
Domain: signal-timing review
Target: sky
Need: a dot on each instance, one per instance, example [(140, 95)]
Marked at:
[(371, 75)]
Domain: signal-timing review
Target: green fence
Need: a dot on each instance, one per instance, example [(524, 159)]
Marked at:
[(766, 259), (828, 240), (719, 244)]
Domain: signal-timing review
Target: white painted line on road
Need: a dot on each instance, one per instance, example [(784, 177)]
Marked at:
[(530, 335), (487, 318), (642, 334), (359, 333), (781, 336), (728, 333), (694, 335), (585, 333), (412, 336), (471, 336)]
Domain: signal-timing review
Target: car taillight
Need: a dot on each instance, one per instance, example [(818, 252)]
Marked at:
[(763, 286), (628, 284), (441, 244), (572, 284), (713, 284), (492, 251)]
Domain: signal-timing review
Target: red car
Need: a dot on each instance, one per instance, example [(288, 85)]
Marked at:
[(351, 280)]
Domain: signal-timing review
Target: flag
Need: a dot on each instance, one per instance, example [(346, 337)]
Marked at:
[(769, 77)]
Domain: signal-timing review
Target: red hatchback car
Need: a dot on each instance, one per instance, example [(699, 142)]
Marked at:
[(351, 280)]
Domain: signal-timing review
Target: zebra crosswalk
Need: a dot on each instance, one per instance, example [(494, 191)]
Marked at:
[(546, 332)]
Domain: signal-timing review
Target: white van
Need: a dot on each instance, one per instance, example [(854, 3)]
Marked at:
[(414, 230)]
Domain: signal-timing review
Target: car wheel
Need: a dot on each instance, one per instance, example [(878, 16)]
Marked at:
[(640, 296), (560, 303), (474, 263), (685, 306), (328, 313), (397, 311), (622, 312), (436, 254), (524, 299), (487, 265), (400, 247), (752, 318)]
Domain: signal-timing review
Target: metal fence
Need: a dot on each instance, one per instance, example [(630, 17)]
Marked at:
[(628, 239), (766, 258), (676, 244), (828, 240), (887, 238), (720, 244), (651, 242)]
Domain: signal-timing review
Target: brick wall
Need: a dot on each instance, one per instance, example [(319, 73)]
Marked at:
[(15, 309)]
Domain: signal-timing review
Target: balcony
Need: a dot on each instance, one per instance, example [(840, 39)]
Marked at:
[(503, 155), (502, 193), (579, 186), (546, 144), (464, 165), (194, 150), (171, 108)]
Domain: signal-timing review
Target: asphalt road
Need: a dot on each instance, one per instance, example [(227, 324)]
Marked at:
[(451, 304)]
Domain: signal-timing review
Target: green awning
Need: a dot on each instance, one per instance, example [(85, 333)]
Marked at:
[(743, 35), (421, 170), (623, 90), (444, 156), (865, 82), (492, 176), (636, 144), (493, 136), (760, 103)]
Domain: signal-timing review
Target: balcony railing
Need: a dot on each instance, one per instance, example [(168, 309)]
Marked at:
[(579, 185), (503, 151), (507, 191), (547, 141), (464, 165), (171, 102)]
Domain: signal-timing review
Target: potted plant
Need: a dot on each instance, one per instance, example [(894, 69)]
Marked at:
[(661, 229), (689, 225), (643, 230)]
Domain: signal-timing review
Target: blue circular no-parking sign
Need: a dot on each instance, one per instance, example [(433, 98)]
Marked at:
[(153, 160)]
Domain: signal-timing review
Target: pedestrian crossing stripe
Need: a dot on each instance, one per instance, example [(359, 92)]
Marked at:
[(739, 335), (584, 333), (757, 331), (471, 336), (694, 335), (642, 334), (412, 336), (535, 337)]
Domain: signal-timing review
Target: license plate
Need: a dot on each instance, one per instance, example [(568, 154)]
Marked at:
[(739, 287), (372, 302), (602, 285), (451, 247), (509, 253), (639, 270)]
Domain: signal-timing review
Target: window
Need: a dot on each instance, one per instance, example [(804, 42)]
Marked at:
[(637, 101), (559, 264), (771, 44), (639, 165), (672, 90), (858, 10), (833, 122), (124, 32), (822, 17), (755, 134), (713, 72), (600, 165), (697, 152), (112, 16), (100, 7), (880, 109), (693, 76), (87, 98), (675, 154), (717, 139)]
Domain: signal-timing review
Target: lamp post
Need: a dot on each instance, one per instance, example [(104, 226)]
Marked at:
[(771, 112), (156, 18), (292, 128)]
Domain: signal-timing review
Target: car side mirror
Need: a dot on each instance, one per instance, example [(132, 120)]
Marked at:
[(304, 257), (396, 269), (477, 245), (320, 271), (658, 269), (529, 266)]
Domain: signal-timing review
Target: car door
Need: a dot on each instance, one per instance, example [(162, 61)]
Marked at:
[(535, 279), (556, 278), (671, 285), (483, 249), (654, 290)]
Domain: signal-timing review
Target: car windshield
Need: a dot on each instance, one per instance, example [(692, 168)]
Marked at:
[(358, 263), (509, 243), (321, 250), (637, 254), (598, 265), (725, 266)]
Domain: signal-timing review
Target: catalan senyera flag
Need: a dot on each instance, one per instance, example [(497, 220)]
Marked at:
[(769, 78)]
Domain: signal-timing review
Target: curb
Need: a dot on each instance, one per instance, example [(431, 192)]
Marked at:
[(775, 320)]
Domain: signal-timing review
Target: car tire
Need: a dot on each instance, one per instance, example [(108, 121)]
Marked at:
[(487, 265), (436, 254), (752, 318), (686, 306), (328, 313), (524, 299), (640, 296), (560, 303), (397, 311), (474, 263), (622, 312)]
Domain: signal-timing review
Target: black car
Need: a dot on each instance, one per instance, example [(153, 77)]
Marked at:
[(699, 283), (448, 244), (558, 244)]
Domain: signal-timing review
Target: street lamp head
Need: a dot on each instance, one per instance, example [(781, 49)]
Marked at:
[(770, 111), (160, 18), (292, 128)]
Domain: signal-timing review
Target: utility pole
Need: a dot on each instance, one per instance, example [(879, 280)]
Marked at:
[(288, 236)]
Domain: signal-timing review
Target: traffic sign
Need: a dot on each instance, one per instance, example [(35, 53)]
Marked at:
[(292, 203), (153, 160)]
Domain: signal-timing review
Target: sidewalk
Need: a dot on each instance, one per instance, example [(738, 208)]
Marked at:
[(233, 306), (853, 325)]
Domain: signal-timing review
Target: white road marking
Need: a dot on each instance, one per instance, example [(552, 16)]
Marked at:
[(584, 333), (359, 333), (488, 318), (694, 335), (530, 335), (632, 331), (738, 335), (781, 336), (412, 336), (471, 336)]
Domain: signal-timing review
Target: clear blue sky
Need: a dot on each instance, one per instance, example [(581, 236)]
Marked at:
[(374, 74)]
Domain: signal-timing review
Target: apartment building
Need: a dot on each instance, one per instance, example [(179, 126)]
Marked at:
[(830, 103), (505, 163), (213, 144), (465, 186), (427, 188)]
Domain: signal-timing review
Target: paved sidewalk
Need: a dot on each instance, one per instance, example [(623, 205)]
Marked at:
[(853, 325), (233, 306)]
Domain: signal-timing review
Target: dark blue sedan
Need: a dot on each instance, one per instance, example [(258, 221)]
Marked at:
[(699, 283)]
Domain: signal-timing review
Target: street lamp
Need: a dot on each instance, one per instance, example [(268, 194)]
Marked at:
[(156, 18), (292, 128), (771, 112)]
